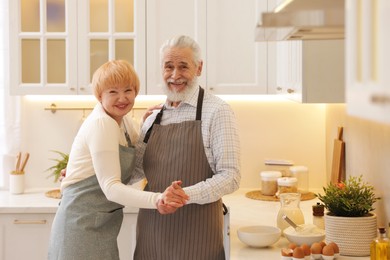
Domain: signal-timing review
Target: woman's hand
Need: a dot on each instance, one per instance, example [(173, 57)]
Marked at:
[(149, 111), (173, 198)]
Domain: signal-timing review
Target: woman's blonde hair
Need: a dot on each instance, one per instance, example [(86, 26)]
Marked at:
[(114, 73)]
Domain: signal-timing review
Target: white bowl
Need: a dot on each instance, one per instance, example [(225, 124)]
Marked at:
[(259, 236), (309, 236)]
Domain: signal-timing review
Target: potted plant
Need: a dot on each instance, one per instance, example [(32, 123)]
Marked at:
[(59, 166), (349, 220)]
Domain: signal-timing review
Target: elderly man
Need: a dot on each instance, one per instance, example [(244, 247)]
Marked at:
[(192, 138)]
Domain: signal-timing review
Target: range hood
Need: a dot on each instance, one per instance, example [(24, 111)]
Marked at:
[(303, 20)]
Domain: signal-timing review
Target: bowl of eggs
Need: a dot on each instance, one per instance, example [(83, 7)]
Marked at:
[(259, 236), (306, 234)]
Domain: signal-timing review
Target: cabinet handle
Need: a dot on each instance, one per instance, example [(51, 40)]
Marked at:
[(279, 88), (290, 91), (42, 221), (380, 99)]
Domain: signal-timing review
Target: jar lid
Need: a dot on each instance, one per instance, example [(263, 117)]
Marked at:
[(287, 181), (270, 175), (300, 168)]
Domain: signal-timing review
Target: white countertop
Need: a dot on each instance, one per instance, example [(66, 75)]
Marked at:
[(243, 212), (247, 212), (34, 201)]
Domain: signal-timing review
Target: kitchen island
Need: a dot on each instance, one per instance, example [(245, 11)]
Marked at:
[(243, 212)]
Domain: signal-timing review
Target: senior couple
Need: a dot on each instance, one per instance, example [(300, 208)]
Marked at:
[(188, 150)]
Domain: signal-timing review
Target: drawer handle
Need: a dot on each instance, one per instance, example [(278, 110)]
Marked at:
[(17, 221)]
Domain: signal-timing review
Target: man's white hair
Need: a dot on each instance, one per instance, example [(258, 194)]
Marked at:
[(182, 41)]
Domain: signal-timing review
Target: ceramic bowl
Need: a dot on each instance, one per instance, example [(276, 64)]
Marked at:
[(259, 236), (300, 238)]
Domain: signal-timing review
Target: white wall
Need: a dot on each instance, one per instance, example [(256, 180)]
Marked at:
[(268, 129)]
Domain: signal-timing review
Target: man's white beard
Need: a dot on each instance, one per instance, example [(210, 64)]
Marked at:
[(174, 96)]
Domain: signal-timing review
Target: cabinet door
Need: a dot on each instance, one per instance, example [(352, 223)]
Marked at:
[(367, 41), (236, 64), (127, 236), (166, 19), (42, 37), (25, 236), (311, 71), (56, 45), (289, 73), (107, 30)]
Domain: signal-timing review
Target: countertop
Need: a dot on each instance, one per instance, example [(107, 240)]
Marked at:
[(243, 212)]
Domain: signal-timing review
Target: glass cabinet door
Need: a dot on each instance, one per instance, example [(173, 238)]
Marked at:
[(39, 39), (56, 45)]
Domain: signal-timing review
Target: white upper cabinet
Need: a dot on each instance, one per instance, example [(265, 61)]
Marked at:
[(311, 71), (236, 64), (56, 45), (368, 59), (233, 62), (166, 19)]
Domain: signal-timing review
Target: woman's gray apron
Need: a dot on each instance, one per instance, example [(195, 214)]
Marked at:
[(176, 152), (86, 225)]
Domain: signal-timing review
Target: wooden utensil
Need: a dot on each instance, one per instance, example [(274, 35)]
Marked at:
[(25, 161), (338, 163), (18, 158)]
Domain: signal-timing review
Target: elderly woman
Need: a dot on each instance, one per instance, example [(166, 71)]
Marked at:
[(101, 161)]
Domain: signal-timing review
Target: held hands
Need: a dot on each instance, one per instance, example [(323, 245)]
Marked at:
[(174, 197)]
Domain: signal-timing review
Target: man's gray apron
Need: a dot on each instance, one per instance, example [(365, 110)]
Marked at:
[(87, 225), (176, 152)]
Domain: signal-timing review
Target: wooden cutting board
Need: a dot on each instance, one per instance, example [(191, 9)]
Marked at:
[(338, 163)]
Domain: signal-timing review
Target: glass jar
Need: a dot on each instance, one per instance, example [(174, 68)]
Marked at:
[(302, 175), (269, 182), (289, 206), (287, 185)]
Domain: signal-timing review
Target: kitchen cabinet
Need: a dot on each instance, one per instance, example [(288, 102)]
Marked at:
[(311, 71), (26, 236), (236, 63), (367, 65), (164, 20), (233, 62), (55, 46)]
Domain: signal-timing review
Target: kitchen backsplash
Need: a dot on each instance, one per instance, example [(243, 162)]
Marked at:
[(269, 129), (273, 129), (367, 153)]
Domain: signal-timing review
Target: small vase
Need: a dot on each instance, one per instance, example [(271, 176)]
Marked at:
[(353, 235)]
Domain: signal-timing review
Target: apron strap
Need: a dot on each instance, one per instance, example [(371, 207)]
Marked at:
[(159, 115), (200, 104), (157, 120)]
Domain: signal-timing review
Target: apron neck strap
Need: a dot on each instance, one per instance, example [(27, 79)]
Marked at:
[(159, 115)]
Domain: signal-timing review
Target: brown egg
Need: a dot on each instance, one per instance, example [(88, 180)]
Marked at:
[(335, 247), (322, 244), (306, 249), (286, 252), (298, 253), (328, 250), (316, 248), (292, 246)]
